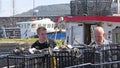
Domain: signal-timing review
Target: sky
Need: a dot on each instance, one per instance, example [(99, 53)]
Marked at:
[(6, 6)]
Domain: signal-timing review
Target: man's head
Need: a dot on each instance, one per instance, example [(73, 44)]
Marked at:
[(99, 34), (41, 32)]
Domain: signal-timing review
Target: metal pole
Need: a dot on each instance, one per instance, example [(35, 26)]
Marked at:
[(76, 8), (13, 8), (118, 2), (86, 7), (0, 5), (96, 8), (13, 12), (33, 7)]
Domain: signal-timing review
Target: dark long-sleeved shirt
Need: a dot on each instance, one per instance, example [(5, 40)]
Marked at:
[(48, 43)]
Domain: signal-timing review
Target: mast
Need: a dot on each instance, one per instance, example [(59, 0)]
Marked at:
[(33, 7), (13, 10), (0, 5), (13, 7), (118, 2)]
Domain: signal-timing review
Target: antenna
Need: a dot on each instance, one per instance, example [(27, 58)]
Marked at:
[(13, 8), (0, 5), (33, 7), (118, 2)]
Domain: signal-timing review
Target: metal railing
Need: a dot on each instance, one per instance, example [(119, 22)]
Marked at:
[(87, 58)]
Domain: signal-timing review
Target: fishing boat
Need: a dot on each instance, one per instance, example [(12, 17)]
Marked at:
[(28, 28)]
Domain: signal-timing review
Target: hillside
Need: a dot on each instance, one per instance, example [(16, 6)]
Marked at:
[(48, 10)]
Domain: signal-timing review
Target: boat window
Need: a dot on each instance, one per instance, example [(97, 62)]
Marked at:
[(53, 25), (44, 25), (18, 25), (33, 26), (48, 25), (21, 26), (39, 25), (28, 25), (115, 1), (24, 26)]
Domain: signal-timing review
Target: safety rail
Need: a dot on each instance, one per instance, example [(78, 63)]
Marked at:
[(90, 64), (72, 58)]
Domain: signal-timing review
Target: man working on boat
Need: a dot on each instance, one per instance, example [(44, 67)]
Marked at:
[(100, 44), (43, 41), (99, 37)]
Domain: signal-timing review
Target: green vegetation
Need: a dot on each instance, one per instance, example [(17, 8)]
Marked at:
[(27, 40), (60, 42)]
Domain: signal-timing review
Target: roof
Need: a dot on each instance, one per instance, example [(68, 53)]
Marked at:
[(89, 18), (42, 21)]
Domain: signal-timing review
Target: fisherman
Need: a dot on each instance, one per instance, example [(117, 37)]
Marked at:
[(99, 34), (43, 41)]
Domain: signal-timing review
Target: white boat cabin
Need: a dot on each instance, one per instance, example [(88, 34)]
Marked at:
[(28, 28), (79, 29)]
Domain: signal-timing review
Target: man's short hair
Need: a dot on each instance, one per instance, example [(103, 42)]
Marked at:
[(40, 28), (99, 29)]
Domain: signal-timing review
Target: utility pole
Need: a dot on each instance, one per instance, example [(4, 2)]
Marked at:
[(96, 12), (76, 8), (86, 8), (0, 5), (13, 6), (33, 7), (118, 10), (35, 11)]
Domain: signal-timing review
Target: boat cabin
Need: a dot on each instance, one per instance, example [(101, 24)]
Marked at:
[(79, 29), (28, 28)]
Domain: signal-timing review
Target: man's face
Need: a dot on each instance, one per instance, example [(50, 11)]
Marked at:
[(42, 34), (99, 37)]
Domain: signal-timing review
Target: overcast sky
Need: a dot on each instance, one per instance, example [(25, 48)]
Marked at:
[(6, 6)]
